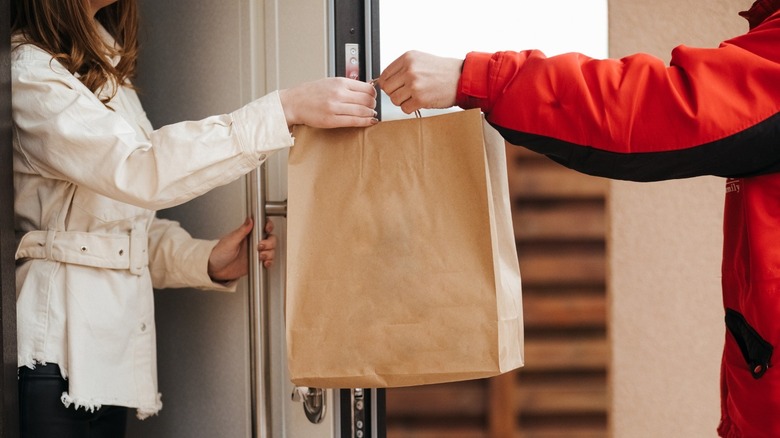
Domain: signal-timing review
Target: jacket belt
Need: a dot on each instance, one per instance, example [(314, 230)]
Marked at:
[(111, 251)]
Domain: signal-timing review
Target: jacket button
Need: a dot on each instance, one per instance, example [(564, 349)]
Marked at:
[(121, 252), (143, 327), (758, 369), (83, 249)]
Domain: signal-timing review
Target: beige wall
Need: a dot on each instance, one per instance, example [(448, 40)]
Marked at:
[(664, 243)]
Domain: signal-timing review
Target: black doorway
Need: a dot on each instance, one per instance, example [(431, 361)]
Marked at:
[(9, 423)]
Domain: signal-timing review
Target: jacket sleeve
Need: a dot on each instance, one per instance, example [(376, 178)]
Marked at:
[(176, 259), (64, 132), (709, 112)]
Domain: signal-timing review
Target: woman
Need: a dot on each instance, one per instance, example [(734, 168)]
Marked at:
[(89, 173)]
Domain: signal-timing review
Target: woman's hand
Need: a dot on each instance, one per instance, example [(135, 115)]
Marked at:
[(330, 103), (267, 247), (419, 80), (228, 260)]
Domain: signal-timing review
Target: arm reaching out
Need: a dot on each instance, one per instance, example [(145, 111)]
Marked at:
[(330, 103), (419, 80)]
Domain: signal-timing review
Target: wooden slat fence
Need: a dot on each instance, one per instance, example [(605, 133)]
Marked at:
[(560, 227)]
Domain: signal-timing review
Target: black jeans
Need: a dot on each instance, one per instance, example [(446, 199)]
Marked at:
[(42, 414)]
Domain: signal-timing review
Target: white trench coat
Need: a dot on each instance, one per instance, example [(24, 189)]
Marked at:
[(88, 180)]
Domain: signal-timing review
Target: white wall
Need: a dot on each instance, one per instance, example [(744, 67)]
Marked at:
[(665, 241)]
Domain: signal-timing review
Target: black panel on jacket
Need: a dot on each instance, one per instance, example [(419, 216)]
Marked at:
[(756, 351), (753, 151)]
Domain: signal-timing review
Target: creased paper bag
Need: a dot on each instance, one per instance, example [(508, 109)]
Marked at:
[(402, 268)]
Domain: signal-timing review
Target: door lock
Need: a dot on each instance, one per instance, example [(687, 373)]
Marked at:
[(313, 402), (352, 61)]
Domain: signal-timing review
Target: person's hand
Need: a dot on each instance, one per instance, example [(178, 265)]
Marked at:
[(420, 80), (330, 103), (228, 259), (267, 247)]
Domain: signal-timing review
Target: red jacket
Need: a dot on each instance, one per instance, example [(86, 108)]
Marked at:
[(709, 112)]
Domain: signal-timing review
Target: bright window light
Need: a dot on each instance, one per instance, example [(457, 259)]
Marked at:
[(455, 27)]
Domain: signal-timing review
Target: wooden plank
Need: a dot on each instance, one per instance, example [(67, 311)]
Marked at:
[(428, 431), (459, 399), (560, 221), (563, 267), (502, 410), (554, 181), (571, 396), (564, 310), (520, 155), (587, 354), (587, 429), (565, 431)]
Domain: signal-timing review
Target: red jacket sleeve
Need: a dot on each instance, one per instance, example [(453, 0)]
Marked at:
[(710, 111)]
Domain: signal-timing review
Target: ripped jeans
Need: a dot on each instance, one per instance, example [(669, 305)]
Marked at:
[(42, 414)]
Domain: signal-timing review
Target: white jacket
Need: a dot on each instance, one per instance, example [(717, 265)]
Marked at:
[(88, 180)]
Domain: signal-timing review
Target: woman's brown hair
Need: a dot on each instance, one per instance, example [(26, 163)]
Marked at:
[(66, 29)]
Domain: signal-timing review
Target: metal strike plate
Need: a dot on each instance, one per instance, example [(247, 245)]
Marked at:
[(360, 428), (352, 61)]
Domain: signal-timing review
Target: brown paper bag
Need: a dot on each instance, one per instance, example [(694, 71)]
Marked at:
[(402, 268)]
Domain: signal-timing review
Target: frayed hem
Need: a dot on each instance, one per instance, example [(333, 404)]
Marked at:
[(29, 361), (144, 413), (78, 403), (32, 360)]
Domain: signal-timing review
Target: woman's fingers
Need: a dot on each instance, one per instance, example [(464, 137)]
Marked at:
[(330, 103)]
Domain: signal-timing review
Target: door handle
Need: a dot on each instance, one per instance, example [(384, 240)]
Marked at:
[(313, 399), (313, 402), (276, 208), (262, 388), (314, 405)]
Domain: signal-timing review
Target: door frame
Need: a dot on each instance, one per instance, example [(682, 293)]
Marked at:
[(356, 22), (9, 414)]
